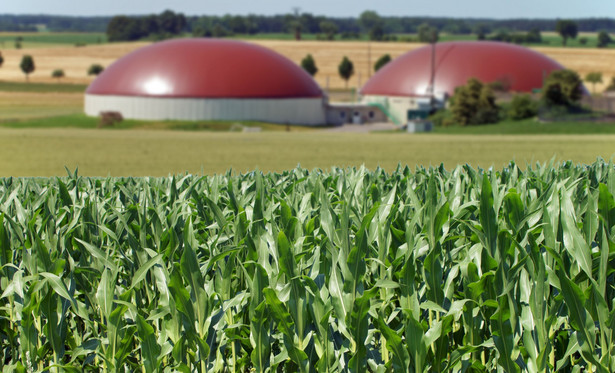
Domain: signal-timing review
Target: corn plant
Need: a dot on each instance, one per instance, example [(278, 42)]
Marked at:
[(423, 270)]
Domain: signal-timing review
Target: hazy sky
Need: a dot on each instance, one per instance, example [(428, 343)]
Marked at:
[(447, 8)]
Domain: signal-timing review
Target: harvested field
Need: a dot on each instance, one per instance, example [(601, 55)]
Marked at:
[(327, 55), (25, 105), (73, 60)]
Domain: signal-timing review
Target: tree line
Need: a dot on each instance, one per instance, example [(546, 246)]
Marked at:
[(309, 23)]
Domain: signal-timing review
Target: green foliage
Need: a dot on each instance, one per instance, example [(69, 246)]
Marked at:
[(567, 29), (427, 33), (346, 69), (329, 29), (27, 65), (522, 106), (308, 64), (57, 73), (95, 69), (346, 270), (442, 118), (123, 28), (604, 39), (562, 88), (474, 103), (611, 86), (534, 36), (383, 60), (594, 77)]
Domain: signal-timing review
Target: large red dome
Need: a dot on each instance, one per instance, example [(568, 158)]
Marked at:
[(456, 62), (205, 68)]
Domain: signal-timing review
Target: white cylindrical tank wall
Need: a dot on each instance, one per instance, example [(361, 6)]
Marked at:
[(304, 111)]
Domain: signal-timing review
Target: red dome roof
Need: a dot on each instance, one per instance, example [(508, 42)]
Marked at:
[(456, 62), (205, 68)]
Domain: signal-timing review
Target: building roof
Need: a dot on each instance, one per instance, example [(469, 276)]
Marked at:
[(455, 62), (205, 68)]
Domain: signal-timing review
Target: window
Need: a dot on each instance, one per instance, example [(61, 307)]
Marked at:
[(371, 115), (342, 114)]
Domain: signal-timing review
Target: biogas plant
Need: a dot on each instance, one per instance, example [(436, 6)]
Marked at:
[(211, 79)]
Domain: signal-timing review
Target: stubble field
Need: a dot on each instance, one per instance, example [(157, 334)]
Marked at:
[(76, 60)]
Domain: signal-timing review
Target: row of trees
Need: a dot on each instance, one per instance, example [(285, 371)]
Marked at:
[(310, 23), (27, 66), (345, 68), (166, 24), (369, 23)]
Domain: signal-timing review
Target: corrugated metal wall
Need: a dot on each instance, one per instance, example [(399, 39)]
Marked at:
[(306, 111)]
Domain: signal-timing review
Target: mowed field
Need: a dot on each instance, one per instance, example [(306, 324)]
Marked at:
[(46, 152), (76, 60)]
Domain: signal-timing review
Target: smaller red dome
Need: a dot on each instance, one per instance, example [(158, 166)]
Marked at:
[(205, 68), (456, 62)]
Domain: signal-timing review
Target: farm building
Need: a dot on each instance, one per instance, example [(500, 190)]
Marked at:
[(409, 82), (207, 79)]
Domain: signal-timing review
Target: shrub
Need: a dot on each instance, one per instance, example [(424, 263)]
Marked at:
[(522, 107), (382, 61), (57, 73), (109, 118), (95, 69), (562, 88), (474, 103), (442, 118)]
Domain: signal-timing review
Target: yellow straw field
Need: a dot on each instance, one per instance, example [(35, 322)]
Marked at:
[(76, 60)]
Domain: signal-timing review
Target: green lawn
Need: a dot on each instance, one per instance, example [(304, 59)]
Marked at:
[(44, 39), (531, 127), (84, 122), (45, 152)]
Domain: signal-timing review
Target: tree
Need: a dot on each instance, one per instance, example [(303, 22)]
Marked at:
[(567, 29), (95, 69), (293, 22), (122, 28), (329, 29), (481, 31), (309, 65), (604, 39), (57, 73), (562, 88), (593, 77), (533, 36), (611, 86), (474, 103), (369, 19), (382, 61), (171, 23), (376, 33), (18, 41), (372, 24), (346, 69), (27, 65), (427, 33)]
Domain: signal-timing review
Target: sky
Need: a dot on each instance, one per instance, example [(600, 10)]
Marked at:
[(334, 8)]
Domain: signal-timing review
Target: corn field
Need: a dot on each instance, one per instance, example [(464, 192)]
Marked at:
[(346, 270)]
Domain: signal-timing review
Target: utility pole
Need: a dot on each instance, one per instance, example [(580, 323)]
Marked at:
[(369, 58), (431, 88)]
